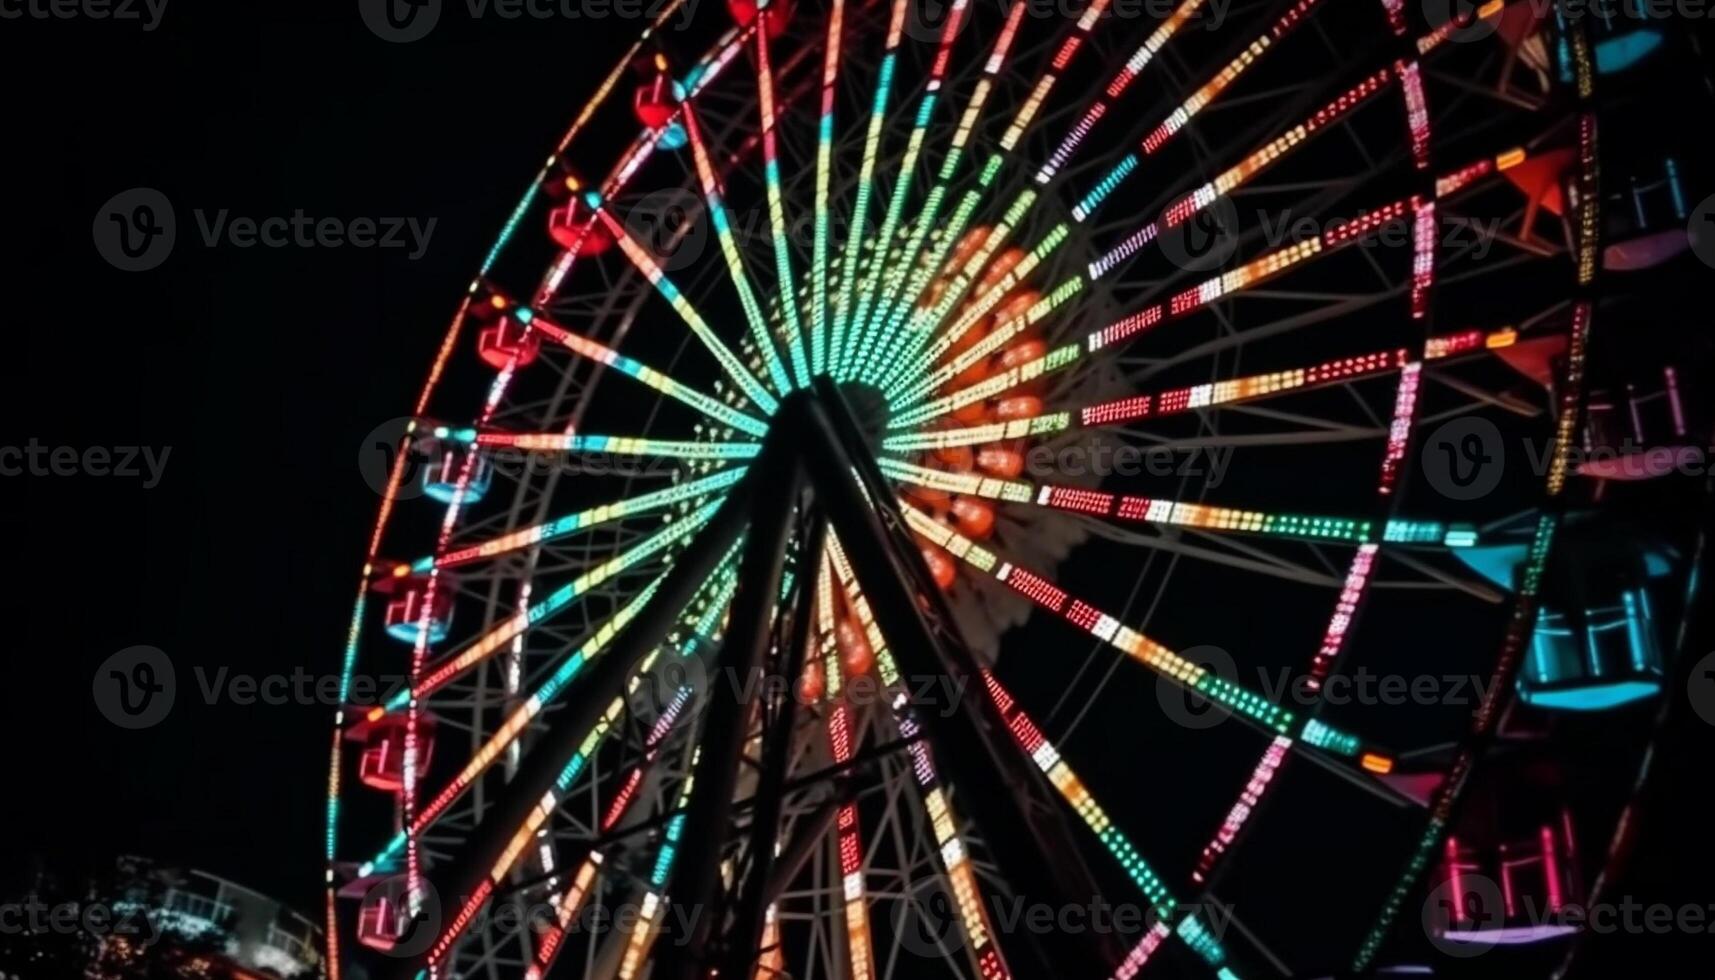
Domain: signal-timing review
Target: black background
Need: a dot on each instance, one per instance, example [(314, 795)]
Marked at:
[(261, 368)]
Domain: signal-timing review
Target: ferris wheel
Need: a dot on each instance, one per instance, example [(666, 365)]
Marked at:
[(948, 467)]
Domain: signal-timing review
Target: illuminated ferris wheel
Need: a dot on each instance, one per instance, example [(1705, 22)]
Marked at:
[(1024, 390)]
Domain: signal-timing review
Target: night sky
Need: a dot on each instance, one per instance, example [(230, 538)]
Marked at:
[(261, 368)]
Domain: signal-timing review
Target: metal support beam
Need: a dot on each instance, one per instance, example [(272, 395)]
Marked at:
[(750, 632), (1012, 804), (744, 936)]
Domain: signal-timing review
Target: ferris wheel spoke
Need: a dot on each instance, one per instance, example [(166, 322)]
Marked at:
[(520, 838), (1118, 844), (1206, 94), (904, 284), (717, 212), (650, 269), (1267, 266), (820, 309), (860, 949), (924, 326), (1119, 411), (922, 322), (1132, 408), (912, 385), (1241, 173), (566, 906), (1099, 106), (618, 445), (1273, 263), (509, 731), (632, 368), (483, 647), (647, 926), (1261, 269), (765, 95), (831, 352), (637, 942), (565, 750), (1235, 698), (860, 337), (1176, 513), (573, 898), (854, 888)]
